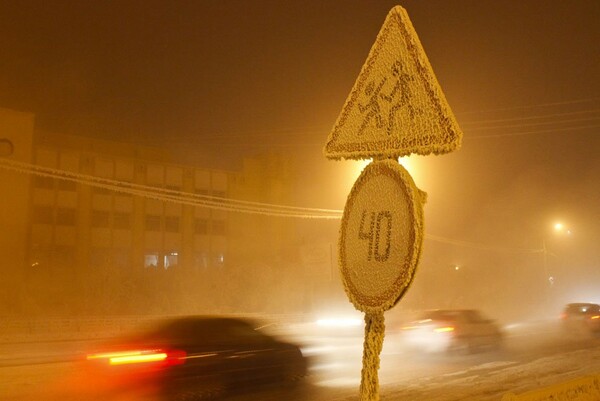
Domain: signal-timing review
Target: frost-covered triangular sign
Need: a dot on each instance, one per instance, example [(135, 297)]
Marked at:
[(396, 107)]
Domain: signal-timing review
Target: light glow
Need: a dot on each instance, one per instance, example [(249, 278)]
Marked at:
[(122, 360), (109, 355), (443, 329), (140, 356)]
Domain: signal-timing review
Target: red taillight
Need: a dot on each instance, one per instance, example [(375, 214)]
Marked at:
[(445, 329), (157, 356)]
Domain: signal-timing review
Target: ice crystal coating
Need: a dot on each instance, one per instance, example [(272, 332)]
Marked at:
[(381, 236), (396, 107)]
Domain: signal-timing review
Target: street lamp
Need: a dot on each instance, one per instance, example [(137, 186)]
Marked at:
[(559, 229)]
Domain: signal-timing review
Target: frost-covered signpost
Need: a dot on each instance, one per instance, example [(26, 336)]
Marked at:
[(396, 108)]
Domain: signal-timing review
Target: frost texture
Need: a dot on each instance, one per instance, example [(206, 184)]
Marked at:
[(381, 238), (396, 107)]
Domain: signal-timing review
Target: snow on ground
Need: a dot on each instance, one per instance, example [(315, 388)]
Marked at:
[(484, 382), (490, 381)]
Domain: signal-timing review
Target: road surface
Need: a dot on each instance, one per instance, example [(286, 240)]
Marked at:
[(533, 356)]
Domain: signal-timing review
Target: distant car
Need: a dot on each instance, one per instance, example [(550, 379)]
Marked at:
[(192, 358), (454, 331), (581, 317)]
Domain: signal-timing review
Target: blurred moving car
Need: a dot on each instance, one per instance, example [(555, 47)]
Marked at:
[(193, 358), (459, 331), (581, 317)]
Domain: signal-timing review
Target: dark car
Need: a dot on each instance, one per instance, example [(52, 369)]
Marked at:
[(581, 317), (451, 331), (193, 357)]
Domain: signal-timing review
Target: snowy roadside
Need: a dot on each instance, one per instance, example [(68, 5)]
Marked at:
[(483, 382), (490, 381)]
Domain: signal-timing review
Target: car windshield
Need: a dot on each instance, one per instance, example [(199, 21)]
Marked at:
[(583, 309)]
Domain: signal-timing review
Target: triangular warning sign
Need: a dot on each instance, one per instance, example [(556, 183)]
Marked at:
[(396, 106)]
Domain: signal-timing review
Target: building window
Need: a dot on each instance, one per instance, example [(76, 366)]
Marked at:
[(172, 224), (64, 256), (67, 185), (99, 257), (122, 221), (121, 257), (200, 226), (66, 217), (218, 227), (43, 182), (152, 222), (43, 215), (155, 175), (218, 259), (6, 147), (101, 191), (201, 260), (171, 259), (100, 218), (40, 256), (151, 259)]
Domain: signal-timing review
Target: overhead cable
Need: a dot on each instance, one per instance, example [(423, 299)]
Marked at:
[(217, 203), (169, 195)]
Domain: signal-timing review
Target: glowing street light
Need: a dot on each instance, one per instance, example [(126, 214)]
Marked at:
[(559, 228)]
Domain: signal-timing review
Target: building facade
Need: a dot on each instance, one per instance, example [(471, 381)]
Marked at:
[(80, 233)]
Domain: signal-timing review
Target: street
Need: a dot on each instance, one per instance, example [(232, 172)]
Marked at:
[(533, 357)]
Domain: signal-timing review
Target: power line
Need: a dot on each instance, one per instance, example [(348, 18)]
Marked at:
[(229, 139), (535, 132), (218, 203), (536, 117), (474, 245), (533, 106), (168, 195)]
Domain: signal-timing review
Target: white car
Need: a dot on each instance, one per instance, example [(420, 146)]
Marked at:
[(581, 317), (459, 331)]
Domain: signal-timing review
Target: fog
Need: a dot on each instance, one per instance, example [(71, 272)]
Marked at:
[(249, 92), (483, 249)]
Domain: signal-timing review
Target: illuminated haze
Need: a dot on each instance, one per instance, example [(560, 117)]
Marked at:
[(219, 81)]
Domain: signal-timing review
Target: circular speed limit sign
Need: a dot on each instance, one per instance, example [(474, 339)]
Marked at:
[(381, 236)]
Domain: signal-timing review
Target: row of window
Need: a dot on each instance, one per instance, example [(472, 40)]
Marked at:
[(51, 183), (172, 224), (121, 258), (116, 220), (171, 259), (66, 185), (60, 216)]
